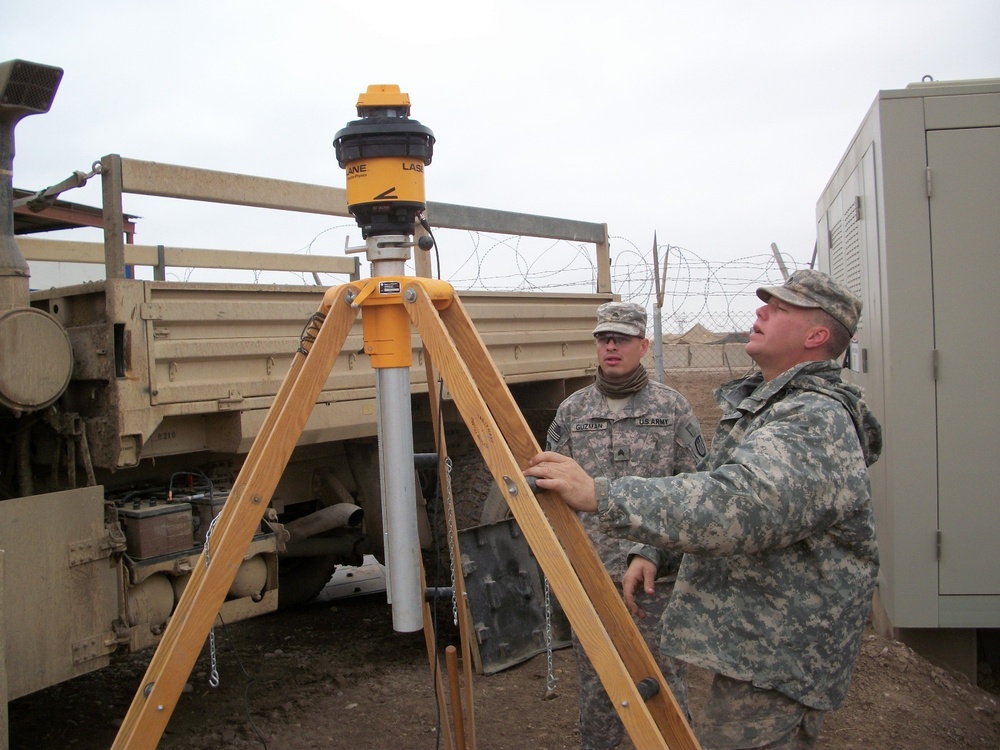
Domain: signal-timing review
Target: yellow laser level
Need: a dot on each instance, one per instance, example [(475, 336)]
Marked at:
[(384, 154)]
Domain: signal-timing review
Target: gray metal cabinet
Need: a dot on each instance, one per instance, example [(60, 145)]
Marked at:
[(910, 221)]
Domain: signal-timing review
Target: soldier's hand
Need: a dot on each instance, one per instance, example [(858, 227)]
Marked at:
[(641, 575), (563, 476)]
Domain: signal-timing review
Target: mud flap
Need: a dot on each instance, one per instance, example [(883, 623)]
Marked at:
[(506, 595), (61, 587)]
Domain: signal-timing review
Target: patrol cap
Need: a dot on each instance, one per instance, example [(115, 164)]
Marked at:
[(621, 317), (809, 288)]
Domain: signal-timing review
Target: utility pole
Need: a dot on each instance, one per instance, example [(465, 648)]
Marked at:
[(781, 263), (658, 318)]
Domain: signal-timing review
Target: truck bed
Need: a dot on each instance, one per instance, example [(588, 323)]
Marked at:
[(168, 368)]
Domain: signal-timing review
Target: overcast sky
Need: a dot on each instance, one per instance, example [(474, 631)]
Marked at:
[(714, 124)]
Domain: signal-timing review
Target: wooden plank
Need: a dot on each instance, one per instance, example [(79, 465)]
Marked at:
[(114, 221), (453, 216), (75, 251), (191, 183)]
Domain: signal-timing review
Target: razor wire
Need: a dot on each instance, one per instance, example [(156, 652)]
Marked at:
[(698, 290), (718, 295)]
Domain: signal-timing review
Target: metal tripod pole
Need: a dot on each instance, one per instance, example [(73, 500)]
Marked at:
[(388, 255), (399, 508)]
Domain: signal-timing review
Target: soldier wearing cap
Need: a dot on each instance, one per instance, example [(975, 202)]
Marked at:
[(623, 425), (778, 528)]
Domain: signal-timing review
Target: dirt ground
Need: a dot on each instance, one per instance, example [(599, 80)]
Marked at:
[(335, 675)]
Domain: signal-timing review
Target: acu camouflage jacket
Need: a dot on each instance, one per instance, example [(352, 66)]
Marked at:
[(780, 532), (655, 434)]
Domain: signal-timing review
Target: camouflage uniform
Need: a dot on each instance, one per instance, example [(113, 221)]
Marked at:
[(777, 585), (656, 433)]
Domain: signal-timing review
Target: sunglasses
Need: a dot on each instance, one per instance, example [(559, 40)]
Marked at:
[(617, 338)]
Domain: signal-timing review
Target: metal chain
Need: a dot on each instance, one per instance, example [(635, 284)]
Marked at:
[(208, 537), (550, 682), (450, 522), (213, 675)]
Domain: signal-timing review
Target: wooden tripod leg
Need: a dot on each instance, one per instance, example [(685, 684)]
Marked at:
[(451, 658), (618, 652), (564, 521), (465, 632), (235, 526), (430, 643)]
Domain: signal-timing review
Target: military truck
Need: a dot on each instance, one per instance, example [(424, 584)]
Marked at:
[(127, 407)]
